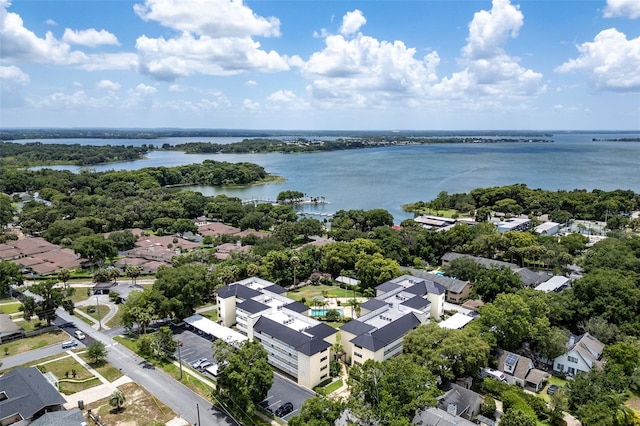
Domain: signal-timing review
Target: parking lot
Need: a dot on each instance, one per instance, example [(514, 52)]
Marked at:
[(195, 347)]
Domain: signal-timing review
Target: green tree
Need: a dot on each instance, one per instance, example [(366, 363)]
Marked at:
[(10, 275), (447, 353), (515, 417), (124, 240), (244, 375), (162, 344), (375, 269), (318, 411), (6, 211), (133, 272), (389, 392), (95, 248), (117, 399), (496, 280), (97, 352), (624, 354), (51, 299)]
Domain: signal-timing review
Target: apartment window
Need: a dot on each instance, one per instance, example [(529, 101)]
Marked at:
[(324, 376), (359, 347), (358, 354), (571, 371), (572, 359), (323, 359), (324, 368)]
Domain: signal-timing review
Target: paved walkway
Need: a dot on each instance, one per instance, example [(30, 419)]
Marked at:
[(102, 300)]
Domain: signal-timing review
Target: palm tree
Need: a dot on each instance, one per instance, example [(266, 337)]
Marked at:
[(133, 272), (64, 275), (117, 399), (294, 261)]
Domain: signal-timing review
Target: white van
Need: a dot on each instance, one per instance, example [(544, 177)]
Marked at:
[(79, 334)]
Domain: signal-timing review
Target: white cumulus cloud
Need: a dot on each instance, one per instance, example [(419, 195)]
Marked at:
[(611, 61), (250, 105), (627, 8), (90, 37), (213, 37), (13, 75), (352, 22), (144, 90), (19, 43), (488, 70), (108, 85), (213, 18)]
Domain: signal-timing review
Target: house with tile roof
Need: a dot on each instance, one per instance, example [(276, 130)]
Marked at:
[(400, 305), (583, 353), (296, 344)]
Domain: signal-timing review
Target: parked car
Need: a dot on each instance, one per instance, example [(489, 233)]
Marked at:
[(79, 334), (494, 374), (69, 344), (206, 364), (199, 362), (552, 389), (284, 409)]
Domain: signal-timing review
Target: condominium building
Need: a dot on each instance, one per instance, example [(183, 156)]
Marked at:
[(400, 305), (296, 344)]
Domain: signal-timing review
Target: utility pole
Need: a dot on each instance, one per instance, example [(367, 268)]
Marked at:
[(180, 360), (198, 410), (98, 311)]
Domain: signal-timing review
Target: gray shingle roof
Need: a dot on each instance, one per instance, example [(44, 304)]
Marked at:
[(387, 287), (275, 288), (464, 399), (357, 327), (373, 304), (296, 307), (381, 337), (416, 302), (426, 286), (302, 342), (252, 306), (61, 418), (237, 290), (28, 392)]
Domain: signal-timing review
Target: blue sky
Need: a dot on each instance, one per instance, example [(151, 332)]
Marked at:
[(293, 64)]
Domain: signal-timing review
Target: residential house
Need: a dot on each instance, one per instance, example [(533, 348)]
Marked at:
[(461, 402), (433, 416), (25, 395), (72, 417), (457, 290), (557, 283), (583, 353), (519, 370), (547, 228), (296, 344)]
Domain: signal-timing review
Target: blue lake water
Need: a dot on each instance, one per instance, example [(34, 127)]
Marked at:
[(389, 177)]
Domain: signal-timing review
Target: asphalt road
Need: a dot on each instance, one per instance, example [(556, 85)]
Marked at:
[(173, 394)]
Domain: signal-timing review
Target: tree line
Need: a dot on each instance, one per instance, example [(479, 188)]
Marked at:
[(38, 154)]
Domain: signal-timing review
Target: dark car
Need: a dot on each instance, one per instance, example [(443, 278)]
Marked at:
[(284, 409), (551, 389), (265, 406)]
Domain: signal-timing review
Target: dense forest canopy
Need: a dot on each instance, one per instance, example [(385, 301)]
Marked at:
[(519, 199), (37, 154)]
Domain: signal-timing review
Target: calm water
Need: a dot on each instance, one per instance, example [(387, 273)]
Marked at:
[(391, 176)]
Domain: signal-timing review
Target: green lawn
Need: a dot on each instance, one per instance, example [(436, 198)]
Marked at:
[(94, 313), (311, 291), (31, 343), (116, 320), (63, 370), (212, 314), (553, 380), (10, 308), (333, 386)]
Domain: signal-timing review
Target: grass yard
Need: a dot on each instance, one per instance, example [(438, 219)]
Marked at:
[(331, 387), (94, 313), (212, 314), (63, 370), (140, 408), (553, 380), (10, 308), (116, 320), (311, 291), (31, 343), (107, 371)]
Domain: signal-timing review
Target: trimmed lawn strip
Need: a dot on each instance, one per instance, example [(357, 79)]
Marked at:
[(212, 314), (30, 343), (63, 370), (116, 320), (333, 386), (84, 319), (97, 314), (10, 308), (311, 291), (104, 368), (140, 408)]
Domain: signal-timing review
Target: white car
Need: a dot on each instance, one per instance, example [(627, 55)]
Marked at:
[(69, 344), (79, 334)]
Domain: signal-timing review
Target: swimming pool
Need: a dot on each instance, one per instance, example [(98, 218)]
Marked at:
[(323, 312)]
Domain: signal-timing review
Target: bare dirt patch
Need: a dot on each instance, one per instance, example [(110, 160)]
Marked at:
[(140, 409)]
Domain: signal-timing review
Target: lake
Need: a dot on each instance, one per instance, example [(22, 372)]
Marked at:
[(389, 177)]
